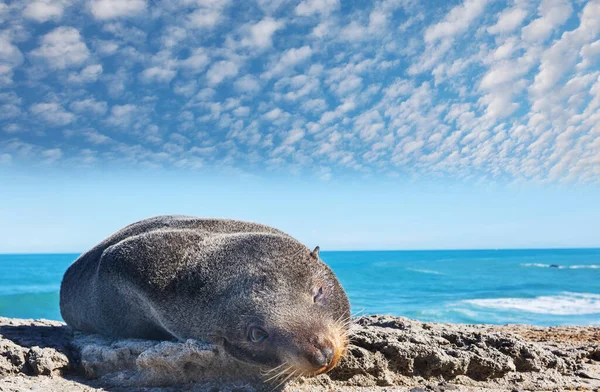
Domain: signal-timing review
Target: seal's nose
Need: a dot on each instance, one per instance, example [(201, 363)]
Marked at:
[(322, 354), (328, 354)]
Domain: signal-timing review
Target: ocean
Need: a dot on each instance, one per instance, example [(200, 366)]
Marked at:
[(541, 287)]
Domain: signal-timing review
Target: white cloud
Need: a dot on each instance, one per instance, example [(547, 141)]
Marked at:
[(317, 105), (311, 7), (479, 96), (208, 15), (106, 47), (187, 89), (111, 9), (347, 85), (44, 10), (562, 55), (89, 105), (89, 74), (122, 115), (242, 111), (220, 71), (553, 13), (196, 62), (293, 136), (590, 55), (52, 113), (10, 58), (62, 48), (508, 21), (9, 110), (51, 155), (289, 59), (95, 137), (260, 35), (456, 21), (247, 84), (157, 74), (273, 114), (354, 31)]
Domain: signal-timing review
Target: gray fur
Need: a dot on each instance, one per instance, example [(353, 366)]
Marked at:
[(185, 277)]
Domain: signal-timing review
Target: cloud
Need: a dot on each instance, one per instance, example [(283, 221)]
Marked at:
[(122, 115), (294, 136), (562, 55), (196, 62), (89, 105), (553, 13), (61, 48), (89, 74), (472, 89), (106, 47), (456, 21), (9, 110), (158, 74), (260, 35), (508, 21), (312, 7), (44, 10), (51, 155), (52, 113), (289, 59), (95, 137), (10, 58), (220, 71), (207, 15), (112, 9), (247, 84), (590, 54)]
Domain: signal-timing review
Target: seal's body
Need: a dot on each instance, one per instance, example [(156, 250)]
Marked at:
[(251, 288)]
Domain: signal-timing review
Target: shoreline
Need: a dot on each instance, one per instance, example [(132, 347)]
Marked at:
[(386, 353)]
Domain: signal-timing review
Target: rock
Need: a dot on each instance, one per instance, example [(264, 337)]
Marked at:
[(584, 374), (47, 361), (385, 352)]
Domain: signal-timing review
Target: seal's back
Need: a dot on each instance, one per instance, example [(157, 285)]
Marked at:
[(117, 287)]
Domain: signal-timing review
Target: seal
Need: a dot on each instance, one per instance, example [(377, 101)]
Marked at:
[(260, 294)]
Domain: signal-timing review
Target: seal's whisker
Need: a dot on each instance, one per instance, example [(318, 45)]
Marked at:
[(280, 373), (285, 380), (270, 371)]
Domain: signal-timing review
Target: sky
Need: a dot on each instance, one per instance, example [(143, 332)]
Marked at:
[(386, 124)]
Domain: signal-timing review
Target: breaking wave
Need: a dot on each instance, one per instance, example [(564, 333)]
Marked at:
[(540, 265), (563, 305)]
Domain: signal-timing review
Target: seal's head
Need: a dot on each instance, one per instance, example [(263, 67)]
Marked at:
[(293, 312)]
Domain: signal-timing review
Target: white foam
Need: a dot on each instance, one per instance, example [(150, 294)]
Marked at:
[(425, 271), (562, 305), (584, 266)]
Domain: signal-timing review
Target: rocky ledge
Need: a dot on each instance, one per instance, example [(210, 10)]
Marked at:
[(386, 353)]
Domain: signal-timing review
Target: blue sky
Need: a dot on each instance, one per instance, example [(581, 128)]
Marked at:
[(430, 124)]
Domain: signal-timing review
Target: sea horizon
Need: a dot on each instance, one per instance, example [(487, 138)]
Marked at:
[(368, 250), (544, 286)]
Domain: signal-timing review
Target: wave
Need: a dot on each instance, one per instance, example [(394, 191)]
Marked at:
[(561, 305), (425, 271), (29, 289), (540, 265)]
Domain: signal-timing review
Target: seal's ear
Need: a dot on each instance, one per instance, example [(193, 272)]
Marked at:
[(315, 253)]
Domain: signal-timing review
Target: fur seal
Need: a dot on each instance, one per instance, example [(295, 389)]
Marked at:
[(256, 291)]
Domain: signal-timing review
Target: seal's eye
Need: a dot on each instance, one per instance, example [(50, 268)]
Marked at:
[(257, 335), (318, 295)]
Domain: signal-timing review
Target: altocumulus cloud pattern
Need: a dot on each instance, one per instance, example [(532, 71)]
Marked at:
[(472, 89)]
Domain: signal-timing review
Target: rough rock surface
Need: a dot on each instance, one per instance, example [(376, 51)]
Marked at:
[(386, 354)]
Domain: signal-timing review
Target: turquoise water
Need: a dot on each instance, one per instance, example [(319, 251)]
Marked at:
[(477, 286)]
